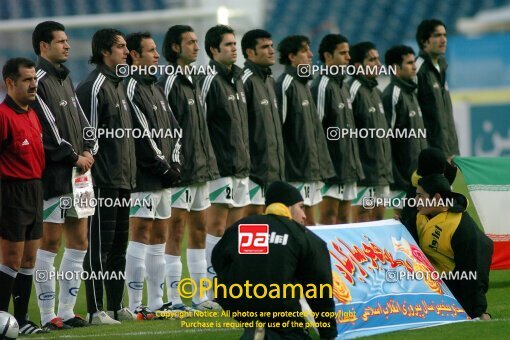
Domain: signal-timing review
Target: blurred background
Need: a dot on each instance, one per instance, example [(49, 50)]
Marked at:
[(478, 50)]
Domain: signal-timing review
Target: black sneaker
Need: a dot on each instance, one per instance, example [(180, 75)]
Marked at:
[(31, 328), (76, 322), (56, 324)]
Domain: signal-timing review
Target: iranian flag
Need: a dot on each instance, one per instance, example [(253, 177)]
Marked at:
[(488, 182)]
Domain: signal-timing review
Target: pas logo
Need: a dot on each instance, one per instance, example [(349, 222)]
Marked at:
[(231, 97), (341, 106), (253, 239), (412, 113), (435, 85), (371, 109), (264, 102), (305, 102), (63, 102), (191, 101)]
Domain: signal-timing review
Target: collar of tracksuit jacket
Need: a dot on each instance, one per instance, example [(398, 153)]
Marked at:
[(258, 70), (231, 75), (293, 72), (368, 82), (61, 73), (339, 78), (109, 73), (145, 79), (443, 65), (407, 85)]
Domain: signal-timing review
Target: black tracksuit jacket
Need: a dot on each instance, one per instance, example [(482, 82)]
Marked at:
[(186, 102), (103, 98), (63, 121), (265, 126)]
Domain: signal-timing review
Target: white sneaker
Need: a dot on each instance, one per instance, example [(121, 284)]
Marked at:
[(101, 318), (207, 305), (122, 314)]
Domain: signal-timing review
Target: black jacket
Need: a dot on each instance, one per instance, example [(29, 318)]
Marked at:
[(306, 158), (227, 119), (151, 113), (186, 102), (334, 108), (375, 153), (303, 259), (436, 105), (63, 121), (103, 98), (266, 141), (472, 253), (403, 113)]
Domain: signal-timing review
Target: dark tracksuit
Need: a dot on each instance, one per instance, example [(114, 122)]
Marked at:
[(303, 136), (334, 108), (375, 153), (304, 259), (103, 97), (403, 113), (154, 156), (265, 126), (436, 105), (185, 99), (63, 121), (227, 119)]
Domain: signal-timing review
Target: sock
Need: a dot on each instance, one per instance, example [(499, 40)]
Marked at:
[(210, 242), (173, 269), (21, 293), (135, 272), (197, 266), (155, 264), (45, 284), (7, 278), (72, 261)]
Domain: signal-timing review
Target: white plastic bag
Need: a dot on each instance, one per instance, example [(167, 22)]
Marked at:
[(83, 193)]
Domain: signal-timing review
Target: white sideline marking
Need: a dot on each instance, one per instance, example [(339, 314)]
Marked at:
[(173, 331)]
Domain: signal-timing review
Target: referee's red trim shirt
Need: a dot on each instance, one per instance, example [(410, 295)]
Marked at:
[(21, 145)]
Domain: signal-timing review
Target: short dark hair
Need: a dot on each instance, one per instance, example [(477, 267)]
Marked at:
[(11, 67), (44, 32), (425, 30), (249, 40), (214, 36), (174, 36), (359, 51), (291, 44), (134, 43), (395, 55), (329, 44), (103, 40), (436, 184)]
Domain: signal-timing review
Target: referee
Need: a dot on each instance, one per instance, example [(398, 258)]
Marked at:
[(21, 167)]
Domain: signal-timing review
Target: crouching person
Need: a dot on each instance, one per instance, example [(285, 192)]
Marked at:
[(294, 255), (453, 243)]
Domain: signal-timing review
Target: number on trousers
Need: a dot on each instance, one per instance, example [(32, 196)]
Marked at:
[(307, 191)]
